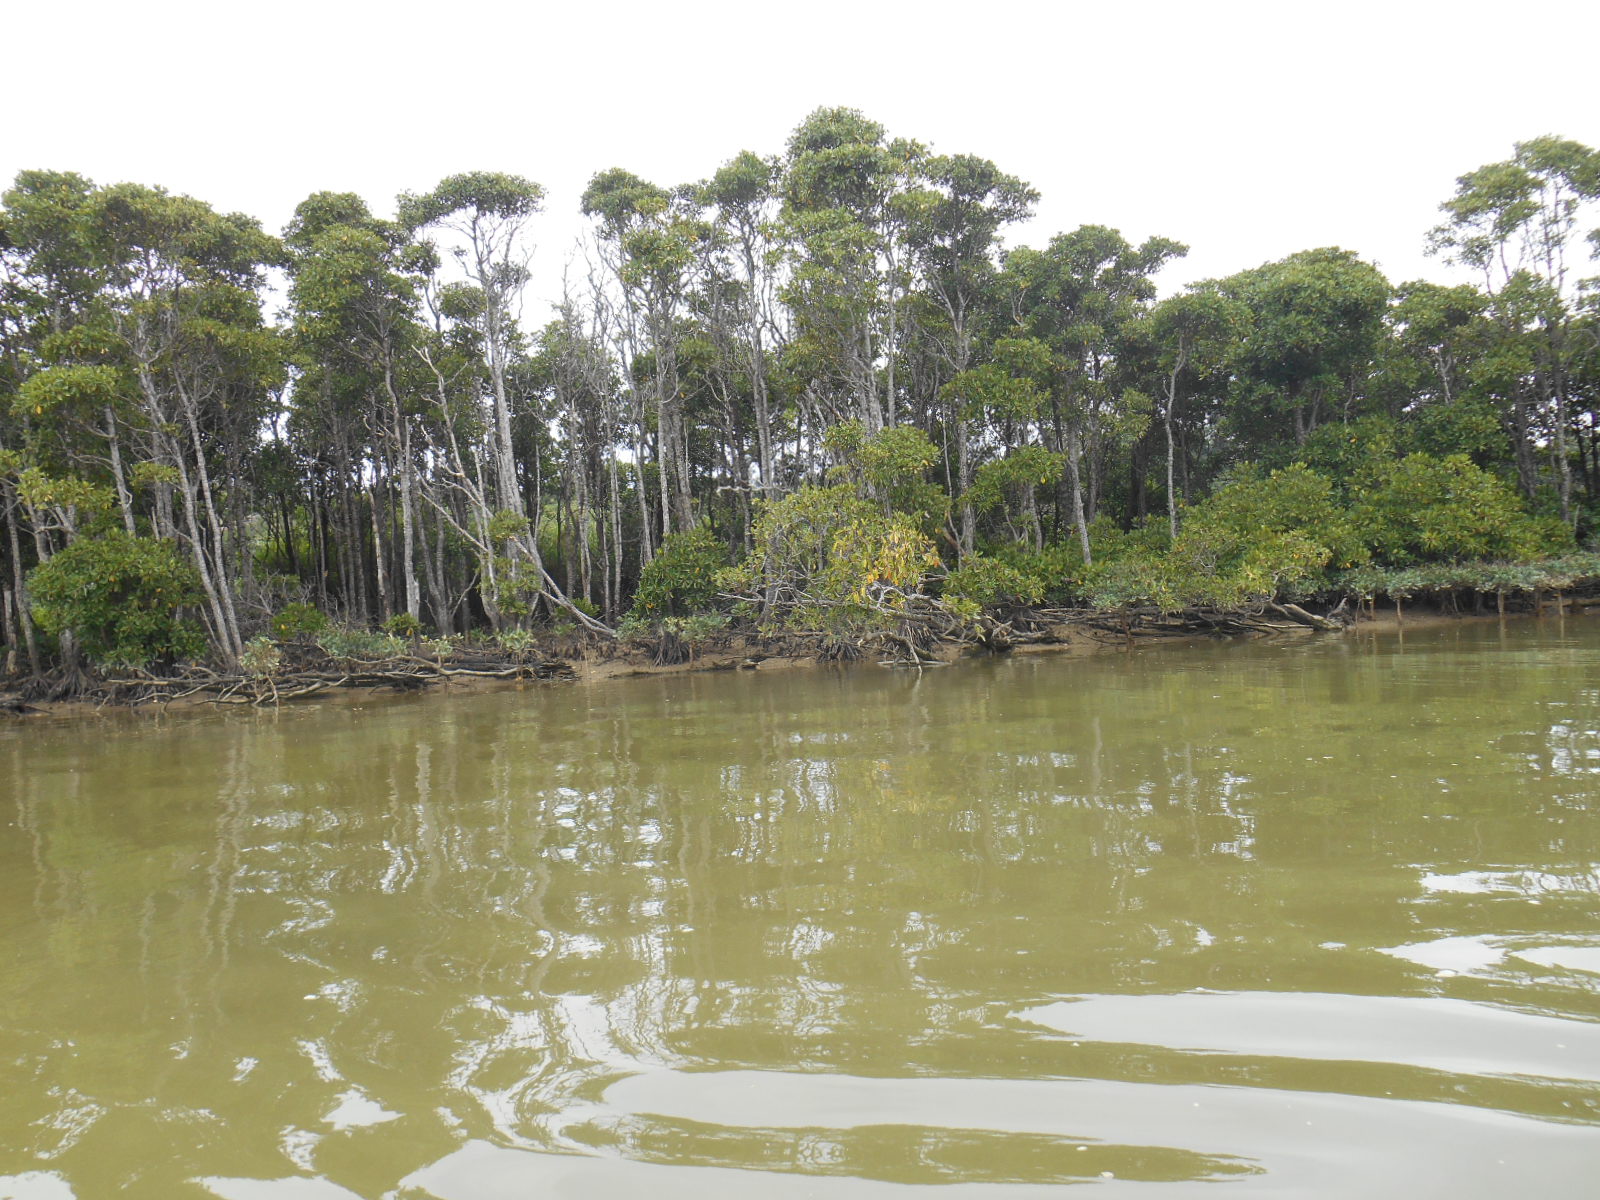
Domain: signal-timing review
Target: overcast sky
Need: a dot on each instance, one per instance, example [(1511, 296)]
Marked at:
[(1247, 130)]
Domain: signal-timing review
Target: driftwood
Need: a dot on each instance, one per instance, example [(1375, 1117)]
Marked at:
[(1295, 613), (1045, 625), (293, 683), (913, 630), (12, 705)]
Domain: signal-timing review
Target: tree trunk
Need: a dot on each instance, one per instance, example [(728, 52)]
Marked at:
[(1075, 478), (19, 587), (124, 497), (1172, 452)]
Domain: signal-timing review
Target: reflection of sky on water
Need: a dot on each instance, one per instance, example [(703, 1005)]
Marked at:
[(589, 923)]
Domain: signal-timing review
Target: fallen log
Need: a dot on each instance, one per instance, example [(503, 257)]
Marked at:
[(1295, 613)]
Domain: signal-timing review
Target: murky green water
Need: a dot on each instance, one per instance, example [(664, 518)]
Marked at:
[(1315, 918)]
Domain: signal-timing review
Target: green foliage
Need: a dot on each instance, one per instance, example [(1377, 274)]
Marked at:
[(39, 489), (516, 642), (682, 578), (261, 658), (360, 645), (403, 625), (121, 597), (1314, 316), (794, 537), (1554, 574), (833, 556), (1058, 567), (1469, 425), (1260, 536), (152, 474), (441, 647), (874, 555), (993, 390), (1427, 509), (1347, 451), (1005, 481), (75, 391), (506, 525), (672, 639), (298, 620), (891, 468), (1295, 500), (516, 586), (1280, 533), (478, 194), (991, 582)]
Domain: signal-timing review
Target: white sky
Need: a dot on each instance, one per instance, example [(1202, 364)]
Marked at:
[(1248, 130)]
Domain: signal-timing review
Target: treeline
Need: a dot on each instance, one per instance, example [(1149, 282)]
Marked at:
[(816, 385)]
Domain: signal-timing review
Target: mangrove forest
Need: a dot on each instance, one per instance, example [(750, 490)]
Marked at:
[(819, 392)]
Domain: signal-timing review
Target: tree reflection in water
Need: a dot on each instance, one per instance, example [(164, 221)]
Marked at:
[(351, 942)]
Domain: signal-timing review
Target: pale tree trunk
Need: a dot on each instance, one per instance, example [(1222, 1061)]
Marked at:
[(19, 585), (758, 370), (1171, 404), (663, 470), (379, 563), (889, 393), (507, 494), (400, 430), (408, 526), (1172, 490), (963, 485), (614, 574), (169, 449), (166, 525), (124, 497), (233, 643), (1075, 477)]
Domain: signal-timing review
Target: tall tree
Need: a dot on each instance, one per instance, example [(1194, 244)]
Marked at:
[(1517, 223), (1078, 296), (952, 226), (1316, 321), (1194, 333), (847, 253), (354, 301)]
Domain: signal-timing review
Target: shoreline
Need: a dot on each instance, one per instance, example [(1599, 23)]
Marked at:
[(775, 653)]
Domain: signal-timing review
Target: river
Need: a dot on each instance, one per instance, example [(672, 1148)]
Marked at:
[(1317, 917)]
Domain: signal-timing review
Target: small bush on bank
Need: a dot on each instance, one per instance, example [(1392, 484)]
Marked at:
[(360, 644), (122, 598), (298, 621), (682, 578)]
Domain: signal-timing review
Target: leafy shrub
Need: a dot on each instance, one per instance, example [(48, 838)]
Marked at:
[(1259, 536), (120, 596), (825, 555), (261, 657), (986, 582), (516, 586), (516, 642), (682, 578), (506, 525), (890, 468), (794, 537), (671, 639), (1427, 509), (1006, 479), (360, 644), (403, 625), (298, 620), (871, 554), (1555, 574)]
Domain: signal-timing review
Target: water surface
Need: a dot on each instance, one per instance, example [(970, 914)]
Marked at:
[(1317, 917)]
